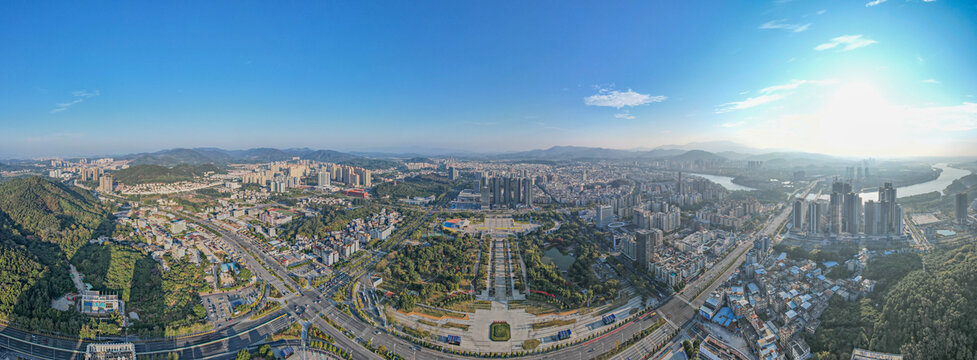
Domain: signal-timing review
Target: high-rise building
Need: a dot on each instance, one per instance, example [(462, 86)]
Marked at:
[(324, 178), (851, 213), (887, 197), (645, 243), (497, 190), (486, 197), (363, 178), (605, 213), (527, 192), (873, 220), (797, 215), (516, 192), (452, 173), (813, 217), (961, 208), (106, 185), (679, 183), (836, 207)]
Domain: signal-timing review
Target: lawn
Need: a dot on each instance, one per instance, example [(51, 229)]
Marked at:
[(455, 325), (551, 323), (499, 331)]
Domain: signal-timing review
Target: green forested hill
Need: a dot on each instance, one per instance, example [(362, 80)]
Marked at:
[(933, 314), (140, 174), (42, 224), (920, 314), (51, 212)]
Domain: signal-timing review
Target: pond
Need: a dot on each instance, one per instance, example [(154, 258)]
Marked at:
[(554, 256)]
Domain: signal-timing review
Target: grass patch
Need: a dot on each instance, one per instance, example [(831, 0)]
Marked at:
[(534, 307), (552, 323), (455, 325), (428, 322), (292, 332), (530, 344), (274, 293), (418, 333), (483, 304), (267, 308), (439, 312), (466, 306), (614, 305), (499, 331)]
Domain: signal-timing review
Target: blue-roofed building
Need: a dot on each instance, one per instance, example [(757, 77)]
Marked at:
[(453, 339), (830, 264), (712, 304)]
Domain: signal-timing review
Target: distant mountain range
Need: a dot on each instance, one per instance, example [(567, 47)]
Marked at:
[(562, 153), (201, 156), (216, 156)]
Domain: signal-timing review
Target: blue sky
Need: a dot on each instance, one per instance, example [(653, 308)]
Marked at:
[(854, 78)]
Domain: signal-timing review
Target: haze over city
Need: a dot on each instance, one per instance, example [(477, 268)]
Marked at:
[(884, 78)]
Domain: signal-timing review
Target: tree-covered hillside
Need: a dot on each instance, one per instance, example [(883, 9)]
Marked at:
[(920, 314), (51, 212), (425, 185), (42, 224), (142, 174)]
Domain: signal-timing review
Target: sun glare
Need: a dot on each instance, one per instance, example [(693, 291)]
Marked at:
[(857, 118)]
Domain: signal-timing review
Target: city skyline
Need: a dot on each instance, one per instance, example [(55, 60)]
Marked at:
[(851, 79)]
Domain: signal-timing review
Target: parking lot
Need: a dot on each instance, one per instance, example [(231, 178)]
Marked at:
[(220, 307)]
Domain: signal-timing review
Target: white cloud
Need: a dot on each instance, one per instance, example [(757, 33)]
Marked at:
[(619, 99), (783, 25), (624, 115), (733, 124), (79, 97), (749, 102), (821, 12), (770, 94), (932, 81), (874, 2), (794, 84), (850, 42)]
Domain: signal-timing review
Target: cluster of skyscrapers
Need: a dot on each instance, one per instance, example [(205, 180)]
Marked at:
[(857, 172), (846, 214), (506, 192), (351, 176), (106, 184)]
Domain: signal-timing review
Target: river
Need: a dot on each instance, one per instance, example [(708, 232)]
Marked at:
[(947, 176), (724, 181)]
